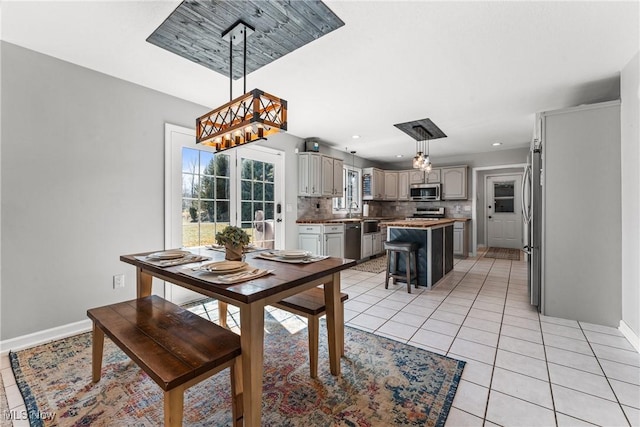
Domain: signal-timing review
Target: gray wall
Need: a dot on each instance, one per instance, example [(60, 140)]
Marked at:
[(630, 152), (82, 182)]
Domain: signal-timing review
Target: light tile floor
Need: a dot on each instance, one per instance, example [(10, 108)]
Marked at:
[(523, 369)]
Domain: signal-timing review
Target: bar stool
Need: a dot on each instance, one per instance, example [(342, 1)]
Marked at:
[(396, 247)]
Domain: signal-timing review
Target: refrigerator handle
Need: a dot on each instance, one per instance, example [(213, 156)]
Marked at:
[(526, 215)]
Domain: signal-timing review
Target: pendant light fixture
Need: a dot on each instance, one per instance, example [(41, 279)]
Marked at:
[(248, 118), (423, 131)]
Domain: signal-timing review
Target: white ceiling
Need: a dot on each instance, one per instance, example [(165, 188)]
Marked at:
[(479, 70)]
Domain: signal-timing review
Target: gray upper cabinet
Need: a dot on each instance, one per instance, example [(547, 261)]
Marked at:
[(372, 184), (403, 185), (433, 176), (390, 185), (454, 183), (319, 176), (416, 176)]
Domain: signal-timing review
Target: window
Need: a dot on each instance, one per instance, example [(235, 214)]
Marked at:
[(351, 200), (206, 189), (504, 193)]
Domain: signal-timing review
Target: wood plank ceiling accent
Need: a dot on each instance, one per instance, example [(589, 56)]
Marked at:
[(194, 30), (433, 130)]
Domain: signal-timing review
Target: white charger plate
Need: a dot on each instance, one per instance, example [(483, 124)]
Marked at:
[(168, 255)]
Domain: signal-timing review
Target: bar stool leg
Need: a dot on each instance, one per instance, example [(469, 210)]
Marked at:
[(415, 265), (386, 279), (395, 266), (408, 267)]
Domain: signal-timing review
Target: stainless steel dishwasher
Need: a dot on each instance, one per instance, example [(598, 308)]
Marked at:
[(352, 240)]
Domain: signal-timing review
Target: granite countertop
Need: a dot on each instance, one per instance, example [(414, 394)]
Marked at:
[(419, 223), (341, 220)]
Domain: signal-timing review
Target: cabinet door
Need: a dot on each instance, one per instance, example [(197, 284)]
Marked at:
[(391, 185), (327, 176), (416, 176), (334, 245), (378, 184), (367, 184), (458, 241), (338, 178), (315, 175), (376, 244), (433, 176), (304, 171), (367, 245), (310, 242), (454, 183), (403, 185)]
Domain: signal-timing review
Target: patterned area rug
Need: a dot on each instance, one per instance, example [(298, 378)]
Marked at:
[(503, 253), (375, 265), (383, 383)]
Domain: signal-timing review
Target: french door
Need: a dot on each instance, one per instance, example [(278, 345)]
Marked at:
[(207, 191)]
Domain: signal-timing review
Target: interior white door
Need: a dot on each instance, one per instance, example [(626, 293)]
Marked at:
[(504, 214), (206, 191)]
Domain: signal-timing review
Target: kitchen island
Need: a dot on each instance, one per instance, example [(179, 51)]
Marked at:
[(435, 246)]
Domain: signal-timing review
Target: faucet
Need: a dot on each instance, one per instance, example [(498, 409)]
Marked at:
[(351, 206)]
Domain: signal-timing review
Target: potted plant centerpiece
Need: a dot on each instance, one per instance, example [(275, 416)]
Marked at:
[(234, 239)]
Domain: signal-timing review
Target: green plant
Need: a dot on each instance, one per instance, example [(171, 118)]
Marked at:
[(231, 235)]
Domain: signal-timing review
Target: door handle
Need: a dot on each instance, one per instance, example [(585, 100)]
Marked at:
[(527, 249), (489, 216), (279, 220)]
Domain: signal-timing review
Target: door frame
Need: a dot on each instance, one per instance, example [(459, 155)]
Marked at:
[(474, 195), (516, 206)]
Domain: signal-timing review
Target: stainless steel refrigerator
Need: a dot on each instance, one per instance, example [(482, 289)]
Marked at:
[(572, 210)]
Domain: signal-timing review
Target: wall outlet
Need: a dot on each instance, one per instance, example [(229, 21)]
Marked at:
[(118, 281)]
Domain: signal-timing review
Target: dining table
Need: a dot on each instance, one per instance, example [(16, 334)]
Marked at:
[(251, 297)]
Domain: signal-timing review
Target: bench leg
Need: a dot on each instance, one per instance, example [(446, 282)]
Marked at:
[(222, 314), (173, 407), (313, 326), (236, 392), (96, 356), (341, 337)]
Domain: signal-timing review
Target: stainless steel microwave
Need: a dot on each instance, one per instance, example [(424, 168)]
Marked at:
[(429, 192)]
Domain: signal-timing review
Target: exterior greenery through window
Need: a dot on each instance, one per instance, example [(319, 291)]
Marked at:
[(257, 201), (206, 189), (351, 200)]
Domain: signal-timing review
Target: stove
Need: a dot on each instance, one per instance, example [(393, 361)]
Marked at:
[(427, 214)]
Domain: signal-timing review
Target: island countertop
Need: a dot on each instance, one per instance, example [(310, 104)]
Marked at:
[(414, 223)]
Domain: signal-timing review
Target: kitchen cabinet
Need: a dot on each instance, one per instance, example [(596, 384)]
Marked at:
[(461, 239), (454, 183), (332, 177), (390, 185), (372, 184), (416, 176), (403, 185), (319, 175), (310, 242), (376, 243), (310, 174), (367, 245), (333, 240), (432, 177)]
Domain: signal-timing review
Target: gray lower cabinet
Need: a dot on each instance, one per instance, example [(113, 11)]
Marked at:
[(310, 238), (376, 243), (322, 239), (461, 239)]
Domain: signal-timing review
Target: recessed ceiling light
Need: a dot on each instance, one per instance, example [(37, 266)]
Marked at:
[(355, 136), (398, 155), (495, 144)]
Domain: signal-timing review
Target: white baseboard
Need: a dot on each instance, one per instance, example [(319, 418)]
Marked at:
[(41, 337), (630, 335)]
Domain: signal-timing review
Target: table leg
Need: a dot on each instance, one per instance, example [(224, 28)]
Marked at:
[(335, 321), (252, 344), (143, 283)]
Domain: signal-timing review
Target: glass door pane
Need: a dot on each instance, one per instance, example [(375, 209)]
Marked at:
[(504, 193)]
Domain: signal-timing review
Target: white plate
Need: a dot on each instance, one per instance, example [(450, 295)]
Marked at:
[(292, 254), (224, 266), (168, 255)]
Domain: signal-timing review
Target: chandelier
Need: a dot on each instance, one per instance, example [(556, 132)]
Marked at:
[(248, 118), (422, 161)]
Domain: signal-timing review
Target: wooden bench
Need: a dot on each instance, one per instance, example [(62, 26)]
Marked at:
[(310, 304), (175, 347)]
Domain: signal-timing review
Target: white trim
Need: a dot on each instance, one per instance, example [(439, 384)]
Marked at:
[(630, 335), (474, 194), (45, 336)]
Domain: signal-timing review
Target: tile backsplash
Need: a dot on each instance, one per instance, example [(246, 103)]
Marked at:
[(314, 207)]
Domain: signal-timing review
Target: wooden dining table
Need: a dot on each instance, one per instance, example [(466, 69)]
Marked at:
[(251, 297)]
